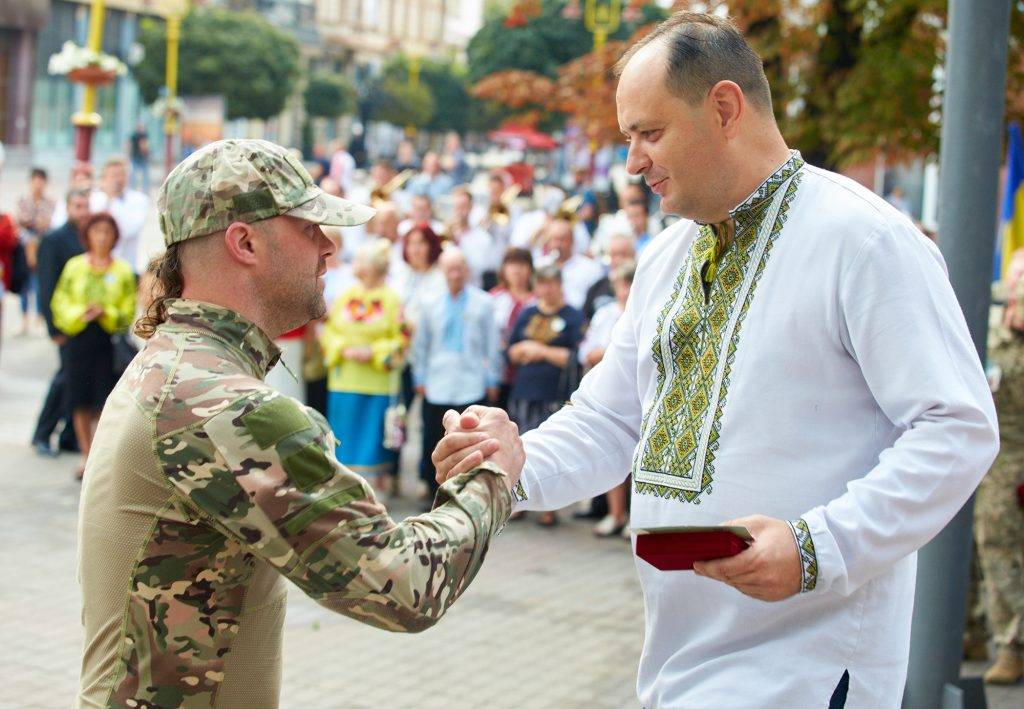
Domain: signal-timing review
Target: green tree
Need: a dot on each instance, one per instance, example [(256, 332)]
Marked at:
[(401, 103), (329, 95), (237, 55), (546, 42), (448, 82)]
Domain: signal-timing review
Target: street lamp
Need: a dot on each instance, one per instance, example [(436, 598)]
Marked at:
[(86, 121), (174, 11), (602, 19)]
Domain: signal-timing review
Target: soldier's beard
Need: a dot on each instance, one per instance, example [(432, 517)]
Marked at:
[(298, 298)]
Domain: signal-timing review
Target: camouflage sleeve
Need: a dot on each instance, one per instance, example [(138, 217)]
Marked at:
[(263, 471)]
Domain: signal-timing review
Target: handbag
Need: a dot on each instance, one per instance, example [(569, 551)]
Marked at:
[(395, 424)]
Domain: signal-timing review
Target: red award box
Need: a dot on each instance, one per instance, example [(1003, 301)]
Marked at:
[(676, 548)]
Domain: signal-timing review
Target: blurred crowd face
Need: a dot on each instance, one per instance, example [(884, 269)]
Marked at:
[(36, 186), (78, 209), (677, 148), (455, 271), (421, 210), (517, 276), (417, 249), (81, 176), (560, 239), (636, 213), (549, 293), (620, 250), (431, 164), (115, 178), (406, 153), (385, 224), (331, 187), (100, 239), (497, 189), (462, 207), (381, 174)]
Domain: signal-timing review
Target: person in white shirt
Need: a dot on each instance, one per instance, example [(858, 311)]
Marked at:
[(791, 359), (130, 208), (483, 253), (579, 272)]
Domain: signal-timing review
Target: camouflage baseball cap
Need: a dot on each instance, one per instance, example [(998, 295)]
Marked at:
[(245, 181)]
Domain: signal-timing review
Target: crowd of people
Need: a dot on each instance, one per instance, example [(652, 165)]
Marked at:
[(466, 288)]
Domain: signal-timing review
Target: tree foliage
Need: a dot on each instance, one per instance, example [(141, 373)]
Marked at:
[(237, 55), (399, 102), (542, 44), (854, 78), (329, 95)]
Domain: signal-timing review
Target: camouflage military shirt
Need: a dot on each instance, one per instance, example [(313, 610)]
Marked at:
[(205, 489)]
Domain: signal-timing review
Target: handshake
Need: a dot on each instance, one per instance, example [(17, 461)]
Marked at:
[(480, 433)]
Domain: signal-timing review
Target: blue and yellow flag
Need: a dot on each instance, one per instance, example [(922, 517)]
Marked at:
[(1012, 221)]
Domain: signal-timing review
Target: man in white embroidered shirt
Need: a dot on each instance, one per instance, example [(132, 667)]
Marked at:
[(791, 359)]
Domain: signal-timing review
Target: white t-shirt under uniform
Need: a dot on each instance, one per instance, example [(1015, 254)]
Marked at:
[(827, 378)]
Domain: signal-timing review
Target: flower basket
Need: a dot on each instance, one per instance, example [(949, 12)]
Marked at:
[(91, 76)]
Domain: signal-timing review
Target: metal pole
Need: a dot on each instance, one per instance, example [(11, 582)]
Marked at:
[(87, 120), (972, 127)]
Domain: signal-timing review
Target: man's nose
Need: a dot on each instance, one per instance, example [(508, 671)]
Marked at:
[(636, 161)]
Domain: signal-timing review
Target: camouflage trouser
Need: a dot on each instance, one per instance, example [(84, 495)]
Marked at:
[(999, 534), (975, 630)]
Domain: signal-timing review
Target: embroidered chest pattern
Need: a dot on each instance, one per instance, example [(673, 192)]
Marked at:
[(695, 347)]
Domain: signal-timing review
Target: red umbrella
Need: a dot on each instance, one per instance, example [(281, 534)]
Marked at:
[(522, 137)]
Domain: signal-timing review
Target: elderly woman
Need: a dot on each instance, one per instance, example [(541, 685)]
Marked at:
[(364, 341), (543, 348), (94, 300)]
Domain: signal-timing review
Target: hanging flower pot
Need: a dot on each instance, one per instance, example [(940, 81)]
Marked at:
[(91, 76)]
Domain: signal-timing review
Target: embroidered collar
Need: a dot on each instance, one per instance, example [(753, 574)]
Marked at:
[(767, 189), (228, 325)]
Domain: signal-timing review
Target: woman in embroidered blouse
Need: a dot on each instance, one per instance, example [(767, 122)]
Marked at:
[(94, 300), (365, 340)]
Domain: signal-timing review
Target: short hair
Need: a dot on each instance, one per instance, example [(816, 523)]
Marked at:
[(93, 220), (115, 161), (704, 49), (515, 255), (549, 272), (462, 189), (433, 242), (377, 253), (77, 193), (39, 172)]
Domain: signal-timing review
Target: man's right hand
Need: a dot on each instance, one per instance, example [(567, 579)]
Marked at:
[(59, 340), (459, 453)]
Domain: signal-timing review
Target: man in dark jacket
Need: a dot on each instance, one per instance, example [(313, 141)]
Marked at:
[(55, 249)]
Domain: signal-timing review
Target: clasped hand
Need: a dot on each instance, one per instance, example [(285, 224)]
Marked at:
[(478, 434)]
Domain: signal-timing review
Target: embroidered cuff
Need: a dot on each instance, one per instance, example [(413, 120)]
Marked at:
[(518, 492), (808, 559)]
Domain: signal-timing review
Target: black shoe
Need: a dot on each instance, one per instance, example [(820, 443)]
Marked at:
[(589, 514), (43, 448)]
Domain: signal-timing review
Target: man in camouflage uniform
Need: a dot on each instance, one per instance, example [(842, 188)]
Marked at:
[(205, 488), (998, 517)]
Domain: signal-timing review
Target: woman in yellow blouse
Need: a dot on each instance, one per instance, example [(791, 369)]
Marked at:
[(94, 300), (364, 341)]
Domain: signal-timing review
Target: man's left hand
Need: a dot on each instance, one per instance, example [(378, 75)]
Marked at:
[(768, 570)]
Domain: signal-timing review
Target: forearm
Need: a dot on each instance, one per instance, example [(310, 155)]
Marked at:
[(407, 575), (558, 356)]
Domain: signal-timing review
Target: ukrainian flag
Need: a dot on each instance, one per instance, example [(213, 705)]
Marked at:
[(1013, 199)]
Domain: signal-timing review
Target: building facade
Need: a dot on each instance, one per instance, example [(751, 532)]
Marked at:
[(20, 23)]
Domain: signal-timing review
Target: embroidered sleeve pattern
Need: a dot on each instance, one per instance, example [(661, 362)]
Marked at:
[(808, 557)]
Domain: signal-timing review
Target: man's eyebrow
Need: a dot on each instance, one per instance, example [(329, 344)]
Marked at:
[(638, 126)]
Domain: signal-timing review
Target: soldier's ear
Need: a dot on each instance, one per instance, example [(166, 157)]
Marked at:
[(240, 244)]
